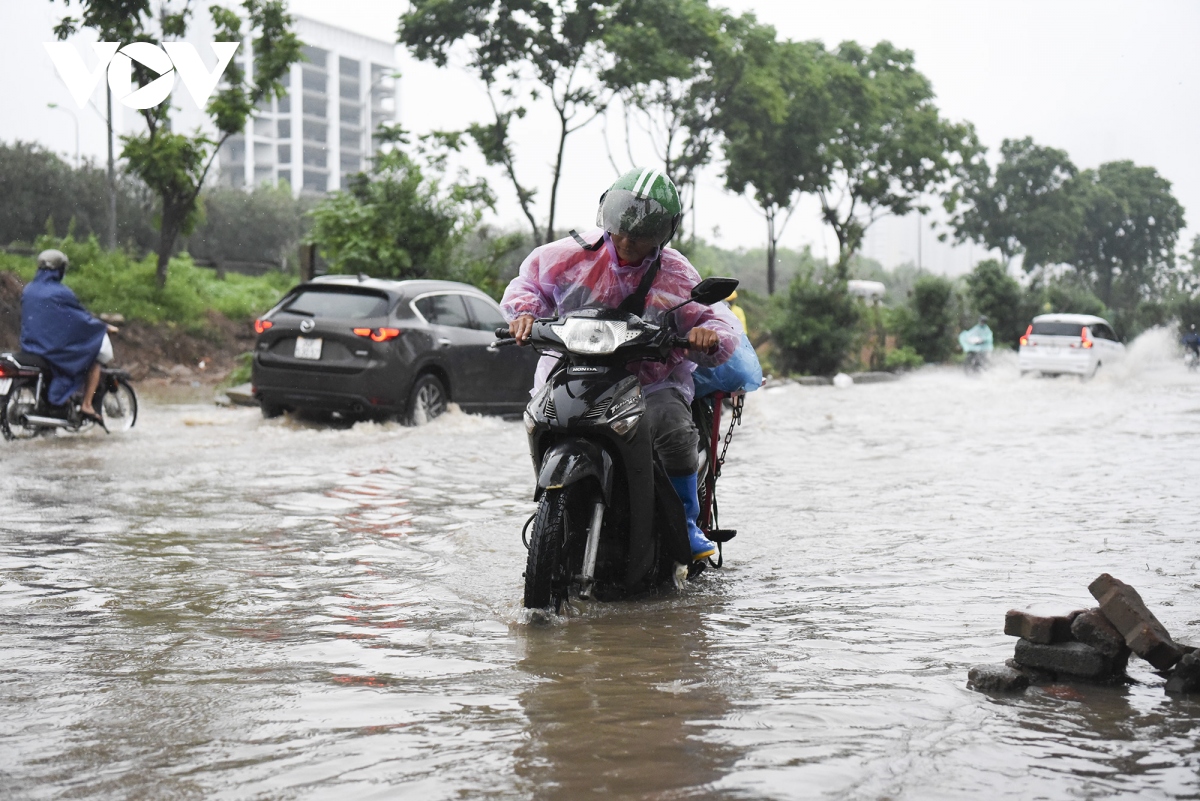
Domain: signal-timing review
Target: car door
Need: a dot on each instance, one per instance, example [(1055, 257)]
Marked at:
[(459, 347), (508, 370), (1113, 350)]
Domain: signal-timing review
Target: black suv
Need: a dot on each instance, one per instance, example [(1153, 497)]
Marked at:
[(370, 348)]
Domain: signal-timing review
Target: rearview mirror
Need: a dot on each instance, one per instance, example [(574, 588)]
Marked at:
[(713, 290)]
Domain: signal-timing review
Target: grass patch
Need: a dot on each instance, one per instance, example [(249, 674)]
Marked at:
[(112, 281)]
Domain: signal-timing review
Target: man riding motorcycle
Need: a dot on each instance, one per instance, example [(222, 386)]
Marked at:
[(627, 265), (56, 326)]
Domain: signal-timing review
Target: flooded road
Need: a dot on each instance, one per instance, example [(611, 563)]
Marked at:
[(217, 606)]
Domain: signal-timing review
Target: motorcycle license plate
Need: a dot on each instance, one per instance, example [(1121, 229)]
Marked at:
[(5, 385), (308, 348)]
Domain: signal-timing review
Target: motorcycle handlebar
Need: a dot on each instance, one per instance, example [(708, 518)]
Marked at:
[(680, 342), (502, 333)]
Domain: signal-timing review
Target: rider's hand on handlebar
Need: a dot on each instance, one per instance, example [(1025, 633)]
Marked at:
[(703, 340), (521, 327), (112, 329)]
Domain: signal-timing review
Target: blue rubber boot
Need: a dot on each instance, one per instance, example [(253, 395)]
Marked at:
[(685, 488)]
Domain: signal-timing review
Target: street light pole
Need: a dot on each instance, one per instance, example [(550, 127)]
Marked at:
[(112, 179), (75, 120)]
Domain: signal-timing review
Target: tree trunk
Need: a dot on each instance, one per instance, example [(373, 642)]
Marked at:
[(562, 145), (166, 243), (770, 251)]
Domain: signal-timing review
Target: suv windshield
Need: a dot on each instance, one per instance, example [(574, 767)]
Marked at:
[(340, 304), (1057, 329)]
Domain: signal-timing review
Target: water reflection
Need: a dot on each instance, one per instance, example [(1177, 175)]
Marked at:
[(218, 606), (619, 705)]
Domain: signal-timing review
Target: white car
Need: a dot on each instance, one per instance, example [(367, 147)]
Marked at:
[(1068, 343)]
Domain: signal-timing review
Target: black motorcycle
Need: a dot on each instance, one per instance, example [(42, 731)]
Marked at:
[(608, 522), (25, 411)]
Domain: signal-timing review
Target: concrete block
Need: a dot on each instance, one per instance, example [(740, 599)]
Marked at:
[(1035, 675), (1126, 610), (1043, 629), (1185, 678), (996, 678), (1092, 628), (1074, 659)]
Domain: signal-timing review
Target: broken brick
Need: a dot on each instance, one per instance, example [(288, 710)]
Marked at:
[(1186, 676), (1074, 658), (996, 678), (1092, 628), (1128, 613), (1043, 629)]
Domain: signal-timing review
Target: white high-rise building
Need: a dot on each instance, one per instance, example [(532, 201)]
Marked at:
[(321, 132)]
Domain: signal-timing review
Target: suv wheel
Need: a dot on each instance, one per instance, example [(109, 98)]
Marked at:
[(427, 400), (270, 410)]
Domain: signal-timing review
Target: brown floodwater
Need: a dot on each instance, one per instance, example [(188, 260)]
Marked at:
[(217, 606)]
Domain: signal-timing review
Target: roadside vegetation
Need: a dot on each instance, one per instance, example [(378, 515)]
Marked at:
[(855, 128), (115, 282)]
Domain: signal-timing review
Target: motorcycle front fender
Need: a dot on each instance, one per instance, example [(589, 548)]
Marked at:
[(570, 461)]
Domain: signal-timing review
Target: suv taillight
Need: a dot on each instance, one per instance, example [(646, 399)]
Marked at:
[(378, 334), (1025, 339)]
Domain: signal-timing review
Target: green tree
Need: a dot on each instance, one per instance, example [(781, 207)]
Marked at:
[(813, 326), (774, 117), (172, 164), (1131, 224), (1028, 207), (265, 225), (521, 51), (402, 221), (662, 59), (993, 292), (886, 144), (929, 324), (37, 188)]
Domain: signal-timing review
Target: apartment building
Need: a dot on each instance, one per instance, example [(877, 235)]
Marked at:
[(321, 131)]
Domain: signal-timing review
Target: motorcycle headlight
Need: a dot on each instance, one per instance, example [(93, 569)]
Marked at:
[(581, 335), (530, 423)]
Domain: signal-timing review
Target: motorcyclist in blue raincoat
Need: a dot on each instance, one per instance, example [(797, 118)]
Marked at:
[(976, 342), (57, 327)]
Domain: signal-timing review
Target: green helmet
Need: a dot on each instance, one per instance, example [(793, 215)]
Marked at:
[(642, 203)]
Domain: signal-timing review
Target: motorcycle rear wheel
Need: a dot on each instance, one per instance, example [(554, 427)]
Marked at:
[(555, 546), (14, 406)]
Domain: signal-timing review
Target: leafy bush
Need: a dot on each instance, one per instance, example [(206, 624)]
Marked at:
[(904, 358), (928, 326), (113, 281), (993, 292), (402, 221), (813, 326)]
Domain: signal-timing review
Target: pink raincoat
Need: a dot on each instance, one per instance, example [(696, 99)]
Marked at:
[(561, 277)]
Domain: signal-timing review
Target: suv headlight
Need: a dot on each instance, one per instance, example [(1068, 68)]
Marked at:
[(581, 335)]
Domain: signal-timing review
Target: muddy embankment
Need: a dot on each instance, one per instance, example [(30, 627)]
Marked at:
[(157, 355)]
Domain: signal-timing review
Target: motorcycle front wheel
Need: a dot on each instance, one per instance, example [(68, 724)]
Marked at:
[(120, 407), (556, 543)]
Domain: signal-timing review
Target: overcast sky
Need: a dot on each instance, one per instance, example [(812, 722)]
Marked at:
[(1102, 80)]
